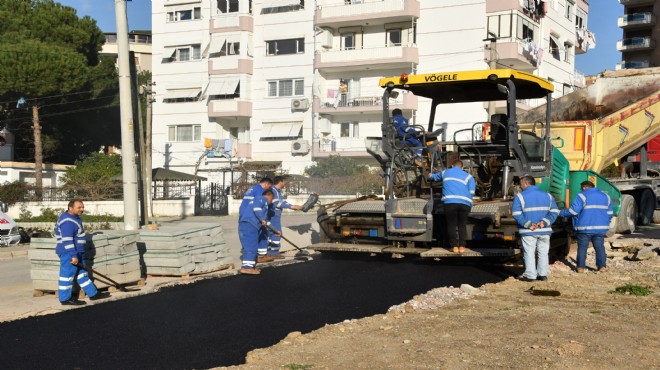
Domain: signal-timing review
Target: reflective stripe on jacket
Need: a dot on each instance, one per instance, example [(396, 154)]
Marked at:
[(591, 211), (404, 130), (70, 235), (250, 195), (255, 212), (458, 186), (532, 206)]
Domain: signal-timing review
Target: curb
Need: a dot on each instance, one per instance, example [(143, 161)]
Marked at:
[(13, 254)]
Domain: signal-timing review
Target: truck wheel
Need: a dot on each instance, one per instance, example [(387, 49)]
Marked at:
[(656, 216), (646, 206), (628, 215)]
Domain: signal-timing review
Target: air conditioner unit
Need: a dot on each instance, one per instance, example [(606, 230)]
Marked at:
[(299, 104), (300, 147)]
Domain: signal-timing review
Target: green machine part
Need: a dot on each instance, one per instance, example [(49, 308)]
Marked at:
[(556, 183), (577, 177)]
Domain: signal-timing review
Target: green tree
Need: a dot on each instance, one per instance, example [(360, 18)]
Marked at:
[(335, 166), (95, 177), (48, 55)]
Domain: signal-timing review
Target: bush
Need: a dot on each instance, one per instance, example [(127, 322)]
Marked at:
[(13, 192), (632, 289), (95, 177)]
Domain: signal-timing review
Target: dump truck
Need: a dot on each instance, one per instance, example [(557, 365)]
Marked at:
[(613, 121), (409, 219)]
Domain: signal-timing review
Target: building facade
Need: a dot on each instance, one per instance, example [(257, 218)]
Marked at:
[(640, 34), (139, 42), (283, 83)]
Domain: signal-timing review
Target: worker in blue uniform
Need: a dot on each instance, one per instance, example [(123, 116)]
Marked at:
[(458, 188), (405, 132), (70, 248), (592, 212), (252, 232), (279, 204), (535, 211), (255, 191)]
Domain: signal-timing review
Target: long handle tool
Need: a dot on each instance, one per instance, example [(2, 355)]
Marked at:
[(114, 283), (301, 253)]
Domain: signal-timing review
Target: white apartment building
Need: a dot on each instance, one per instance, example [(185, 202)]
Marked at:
[(258, 81)]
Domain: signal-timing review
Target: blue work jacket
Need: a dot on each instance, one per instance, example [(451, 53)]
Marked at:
[(70, 235), (458, 186), (591, 212), (531, 206)]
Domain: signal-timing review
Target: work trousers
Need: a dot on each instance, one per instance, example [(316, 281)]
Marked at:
[(535, 253), (456, 215), (253, 241), (598, 242), (68, 272), (274, 241)]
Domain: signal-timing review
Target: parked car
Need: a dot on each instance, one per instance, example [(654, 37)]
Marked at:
[(8, 228)]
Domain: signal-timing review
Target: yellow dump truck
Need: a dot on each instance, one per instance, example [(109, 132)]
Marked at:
[(611, 121)]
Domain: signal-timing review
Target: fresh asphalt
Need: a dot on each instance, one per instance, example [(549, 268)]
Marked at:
[(216, 322)]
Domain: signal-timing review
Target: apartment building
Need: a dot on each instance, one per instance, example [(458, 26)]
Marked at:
[(640, 33), (283, 83), (139, 42)]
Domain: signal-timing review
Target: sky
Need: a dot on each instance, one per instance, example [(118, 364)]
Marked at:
[(139, 13), (602, 21)]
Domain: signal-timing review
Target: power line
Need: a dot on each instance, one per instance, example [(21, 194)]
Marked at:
[(62, 113), (62, 95)]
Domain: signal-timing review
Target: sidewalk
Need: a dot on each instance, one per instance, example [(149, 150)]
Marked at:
[(17, 301)]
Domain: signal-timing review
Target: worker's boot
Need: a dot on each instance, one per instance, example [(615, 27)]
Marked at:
[(73, 302), (276, 256), (100, 295), (249, 271), (456, 249), (461, 249), (265, 259)]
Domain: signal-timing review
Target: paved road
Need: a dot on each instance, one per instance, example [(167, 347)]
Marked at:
[(215, 322)]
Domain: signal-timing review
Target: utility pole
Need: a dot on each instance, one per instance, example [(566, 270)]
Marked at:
[(492, 64), (129, 168), (147, 150), (38, 153)]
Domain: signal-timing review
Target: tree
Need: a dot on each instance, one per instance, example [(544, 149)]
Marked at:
[(95, 177), (48, 56), (335, 166)]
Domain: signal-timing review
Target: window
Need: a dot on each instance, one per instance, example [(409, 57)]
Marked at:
[(280, 88), (228, 6), (350, 129), (554, 48), (283, 47), (569, 10), (184, 15), (568, 52), (228, 48), (393, 37), (184, 133), (579, 21), (241, 134), (183, 53), (348, 41), (526, 29), (282, 6)]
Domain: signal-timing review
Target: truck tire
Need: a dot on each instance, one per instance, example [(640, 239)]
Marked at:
[(646, 206), (656, 216), (628, 215)]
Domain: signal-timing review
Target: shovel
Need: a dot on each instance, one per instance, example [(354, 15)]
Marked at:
[(301, 254), (114, 283)]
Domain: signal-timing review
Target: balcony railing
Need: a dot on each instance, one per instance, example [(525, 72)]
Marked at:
[(635, 43), (632, 65), (330, 12), (387, 56), (232, 22), (363, 104), (637, 19), (344, 146), (636, 2), (230, 108)]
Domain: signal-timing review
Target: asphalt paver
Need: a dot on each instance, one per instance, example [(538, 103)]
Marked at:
[(216, 322)]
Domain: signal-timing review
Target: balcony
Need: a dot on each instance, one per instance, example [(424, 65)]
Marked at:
[(230, 108), (243, 150), (632, 65), (232, 22), (635, 43), (636, 20), (363, 104), (393, 57), (343, 146), (636, 2), (517, 54), (376, 12), (231, 64)]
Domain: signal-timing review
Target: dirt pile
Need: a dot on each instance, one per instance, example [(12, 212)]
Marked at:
[(495, 326)]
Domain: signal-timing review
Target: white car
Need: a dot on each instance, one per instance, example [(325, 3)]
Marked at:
[(8, 229)]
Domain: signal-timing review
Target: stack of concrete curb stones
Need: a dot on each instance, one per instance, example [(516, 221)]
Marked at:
[(111, 253), (184, 249)]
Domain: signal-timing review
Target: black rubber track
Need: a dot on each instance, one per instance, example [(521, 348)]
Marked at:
[(215, 322)]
